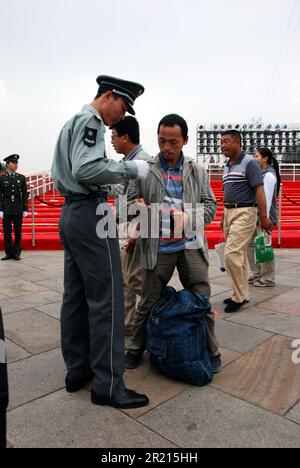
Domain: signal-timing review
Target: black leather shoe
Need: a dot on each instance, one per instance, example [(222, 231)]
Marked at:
[(132, 360), (127, 399), (227, 301), (7, 257), (17, 257), (234, 306), (74, 385)]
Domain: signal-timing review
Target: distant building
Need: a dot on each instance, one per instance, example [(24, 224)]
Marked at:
[(282, 139)]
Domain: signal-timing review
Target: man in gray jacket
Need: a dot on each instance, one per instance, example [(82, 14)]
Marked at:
[(181, 187), (92, 315), (125, 138)]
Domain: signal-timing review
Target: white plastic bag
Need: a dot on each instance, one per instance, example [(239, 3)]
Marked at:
[(220, 249)]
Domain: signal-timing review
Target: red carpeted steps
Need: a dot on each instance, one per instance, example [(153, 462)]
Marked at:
[(46, 221)]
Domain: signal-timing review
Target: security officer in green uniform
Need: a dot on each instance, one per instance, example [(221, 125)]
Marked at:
[(13, 206), (92, 314)]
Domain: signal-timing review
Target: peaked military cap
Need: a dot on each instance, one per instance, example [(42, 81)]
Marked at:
[(12, 158), (128, 90)]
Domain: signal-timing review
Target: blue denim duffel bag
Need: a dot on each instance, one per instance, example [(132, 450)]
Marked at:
[(176, 336)]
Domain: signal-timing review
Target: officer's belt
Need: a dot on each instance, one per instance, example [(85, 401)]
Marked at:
[(90, 196)]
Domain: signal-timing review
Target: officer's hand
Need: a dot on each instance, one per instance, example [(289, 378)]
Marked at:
[(25, 214), (1, 214), (143, 169), (116, 190)]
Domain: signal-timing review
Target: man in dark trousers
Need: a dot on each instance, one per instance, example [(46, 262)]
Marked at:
[(13, 206), (92, 315), (3, 387)]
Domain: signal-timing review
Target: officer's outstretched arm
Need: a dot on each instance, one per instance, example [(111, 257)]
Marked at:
[(88, 158)]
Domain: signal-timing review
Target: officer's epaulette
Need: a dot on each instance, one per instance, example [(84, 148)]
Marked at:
[(2, 174)]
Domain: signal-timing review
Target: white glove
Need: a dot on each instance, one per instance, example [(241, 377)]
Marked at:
[(116, 190), (1, 214), (25, 214), (143, 168)]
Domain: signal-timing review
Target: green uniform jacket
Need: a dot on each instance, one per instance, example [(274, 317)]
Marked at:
[(80, 164), (13, 194)]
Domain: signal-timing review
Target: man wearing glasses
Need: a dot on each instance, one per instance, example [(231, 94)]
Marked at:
[(125, 138)]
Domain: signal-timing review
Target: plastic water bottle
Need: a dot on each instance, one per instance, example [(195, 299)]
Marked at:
[(268, 239)]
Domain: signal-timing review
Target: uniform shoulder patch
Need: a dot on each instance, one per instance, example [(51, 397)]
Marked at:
[(89, 137)]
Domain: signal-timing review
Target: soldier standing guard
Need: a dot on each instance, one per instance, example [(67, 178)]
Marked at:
[(13, 206)]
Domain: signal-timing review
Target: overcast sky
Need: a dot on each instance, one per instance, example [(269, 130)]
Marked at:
[(208, 60)]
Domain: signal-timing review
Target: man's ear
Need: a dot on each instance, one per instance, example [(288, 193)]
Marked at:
[(186, 141), (108, 95)]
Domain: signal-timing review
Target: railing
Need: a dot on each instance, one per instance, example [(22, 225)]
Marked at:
[(42, 182), (289, 172), (38, 184)]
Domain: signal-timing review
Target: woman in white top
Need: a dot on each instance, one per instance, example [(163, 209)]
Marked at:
[(263, 275)]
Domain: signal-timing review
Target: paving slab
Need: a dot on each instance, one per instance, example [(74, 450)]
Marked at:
[(19, 287), (267, 320), (65, 421), (285, 279), (14, 352), (209, 418), (294, 414), (219, 289), (239, 337), (32, 330), (55, 284), (11, 268), (40, 406), (286, 303), (284, 268), (51, 309), (30, 300), (35, 377), (228, 356), (158, 387), (42, 275), (266, 377)]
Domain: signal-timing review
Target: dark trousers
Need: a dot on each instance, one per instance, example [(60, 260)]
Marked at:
[(193, 274), (15, 221), (3, 387), (92, 314)]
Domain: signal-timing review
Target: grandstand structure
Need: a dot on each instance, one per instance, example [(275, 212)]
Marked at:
[(283, 139)]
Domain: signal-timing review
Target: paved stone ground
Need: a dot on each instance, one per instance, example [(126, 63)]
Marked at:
[(253, 402)]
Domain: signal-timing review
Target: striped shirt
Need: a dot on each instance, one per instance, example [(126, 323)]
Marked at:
[(241, 179), (172, 176)]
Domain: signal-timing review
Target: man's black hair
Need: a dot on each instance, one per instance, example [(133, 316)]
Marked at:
[(128, 126), (235, 134), (173, 119)]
